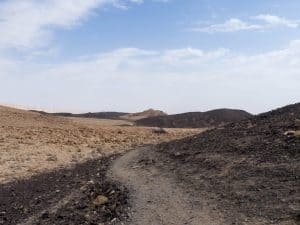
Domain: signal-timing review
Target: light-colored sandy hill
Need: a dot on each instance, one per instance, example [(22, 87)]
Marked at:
[(141, 115), (31, 143)]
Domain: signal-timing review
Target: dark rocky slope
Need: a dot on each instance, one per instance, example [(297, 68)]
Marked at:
[(96, 115), (71, 196), (251, 169), (195, 119)]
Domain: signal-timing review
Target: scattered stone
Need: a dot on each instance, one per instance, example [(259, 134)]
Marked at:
[(52, 158), (45, 215), (88, 204), (100, 200), (290, 133), (91, 182), (177, 154)]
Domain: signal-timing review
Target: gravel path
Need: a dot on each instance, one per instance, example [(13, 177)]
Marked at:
[(155, 197)]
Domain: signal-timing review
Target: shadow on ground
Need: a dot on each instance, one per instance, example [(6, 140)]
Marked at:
[(79, 195)]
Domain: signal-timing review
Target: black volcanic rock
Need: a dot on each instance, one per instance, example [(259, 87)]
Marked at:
[(78, 187), (196, 119), (96, 115), (251, 168)]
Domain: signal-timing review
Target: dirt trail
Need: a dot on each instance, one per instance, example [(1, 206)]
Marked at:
[(156, 199)]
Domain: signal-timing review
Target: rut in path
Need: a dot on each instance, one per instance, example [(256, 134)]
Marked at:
[(155, 198)]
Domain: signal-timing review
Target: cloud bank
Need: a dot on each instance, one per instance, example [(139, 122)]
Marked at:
[(175, 80)]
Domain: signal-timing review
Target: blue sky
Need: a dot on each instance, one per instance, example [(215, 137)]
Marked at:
[(176, 55)]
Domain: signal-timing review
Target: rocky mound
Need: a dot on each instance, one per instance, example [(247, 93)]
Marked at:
[(195, 119), (142, 115), (250, 169)]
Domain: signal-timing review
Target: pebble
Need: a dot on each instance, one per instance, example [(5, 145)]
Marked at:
[(100, 200)]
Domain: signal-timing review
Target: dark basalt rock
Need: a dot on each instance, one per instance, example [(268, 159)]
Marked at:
[(80, 185), (251, 168)]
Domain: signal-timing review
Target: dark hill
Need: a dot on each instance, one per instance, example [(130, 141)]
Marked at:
[(97, 115), (195, 119), (250, 169)]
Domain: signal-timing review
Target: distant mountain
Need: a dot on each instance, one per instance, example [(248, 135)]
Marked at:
[(142, 115), (195, 119), (110, 115), (97, 115)]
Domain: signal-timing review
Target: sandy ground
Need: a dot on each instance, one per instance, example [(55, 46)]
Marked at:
[(31, 143)]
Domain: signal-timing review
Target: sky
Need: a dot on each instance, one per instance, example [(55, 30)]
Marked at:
[(130, 55)]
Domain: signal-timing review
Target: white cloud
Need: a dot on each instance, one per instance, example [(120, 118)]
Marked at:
[(191, 55), (137, 1), (131, 79), (277, 21), (31, 23), (230, 25), (235, 24)]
